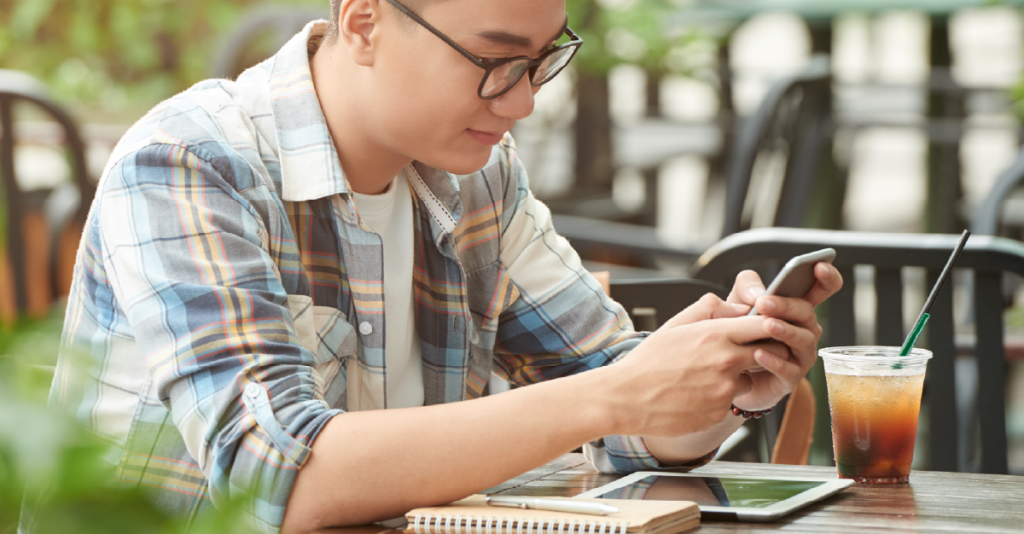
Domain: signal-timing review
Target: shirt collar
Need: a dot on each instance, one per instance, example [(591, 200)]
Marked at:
[(310, 168)]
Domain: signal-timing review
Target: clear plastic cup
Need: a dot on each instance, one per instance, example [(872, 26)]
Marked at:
[(874, 395)]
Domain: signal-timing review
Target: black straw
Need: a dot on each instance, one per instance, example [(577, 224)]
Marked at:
[(942, 279)]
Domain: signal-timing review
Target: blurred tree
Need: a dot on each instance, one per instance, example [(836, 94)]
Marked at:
[(116, 53), (1017, 98), (616, 32), (123, 56)]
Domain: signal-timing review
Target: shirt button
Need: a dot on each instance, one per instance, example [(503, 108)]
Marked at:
[(365, 328), (475, 339), (252, 389)]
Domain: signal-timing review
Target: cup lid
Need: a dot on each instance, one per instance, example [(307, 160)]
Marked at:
[(873, 354)]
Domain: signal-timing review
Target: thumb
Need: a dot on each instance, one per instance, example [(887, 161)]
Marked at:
[(708, 307)]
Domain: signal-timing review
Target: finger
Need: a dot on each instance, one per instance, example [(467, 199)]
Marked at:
[(788, 372), (780, 350), (800, 341), (747, 288), (708, 307), (736, 331), (792, 310), (744, 385), (829, 282), (777, 348)]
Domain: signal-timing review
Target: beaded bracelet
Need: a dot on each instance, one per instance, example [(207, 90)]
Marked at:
[(756, 414)]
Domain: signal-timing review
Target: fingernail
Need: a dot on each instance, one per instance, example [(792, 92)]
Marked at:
[(775, 326), (768, 304), (755, 292)]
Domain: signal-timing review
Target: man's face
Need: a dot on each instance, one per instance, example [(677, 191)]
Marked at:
[(425, 98)]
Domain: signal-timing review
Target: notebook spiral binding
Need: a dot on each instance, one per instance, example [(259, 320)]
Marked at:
[(442, 524)]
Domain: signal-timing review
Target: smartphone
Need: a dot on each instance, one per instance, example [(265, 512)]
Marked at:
[(797, 277)]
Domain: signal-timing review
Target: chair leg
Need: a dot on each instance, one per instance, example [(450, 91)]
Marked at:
[(64, 256), (38, 289)]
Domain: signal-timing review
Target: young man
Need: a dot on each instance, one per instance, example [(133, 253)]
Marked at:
[(271, 262)]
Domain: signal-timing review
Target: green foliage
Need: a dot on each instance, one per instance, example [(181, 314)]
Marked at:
[(1017, 98), (637, 32), (59, 469), (116, 53)]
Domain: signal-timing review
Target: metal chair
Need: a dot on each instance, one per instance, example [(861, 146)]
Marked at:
[(793, 121), (987, 219), (988, 258), (787, 431), (258, 34), (665, 298), (41, 238)]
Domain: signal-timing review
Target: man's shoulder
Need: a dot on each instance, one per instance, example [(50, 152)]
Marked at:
[(213, 120)]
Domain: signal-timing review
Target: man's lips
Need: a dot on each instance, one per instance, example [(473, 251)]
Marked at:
[(486, 138)]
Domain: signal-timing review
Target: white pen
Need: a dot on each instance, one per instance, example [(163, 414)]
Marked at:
[(555, 505)]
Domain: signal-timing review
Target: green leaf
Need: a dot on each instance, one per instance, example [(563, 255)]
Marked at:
[(28, 15)]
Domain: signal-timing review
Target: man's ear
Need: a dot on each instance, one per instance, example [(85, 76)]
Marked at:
[(358, 22)]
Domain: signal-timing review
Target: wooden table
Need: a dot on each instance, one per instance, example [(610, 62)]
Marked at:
[(932, 502)]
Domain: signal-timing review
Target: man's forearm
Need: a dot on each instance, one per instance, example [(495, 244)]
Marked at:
[(367, 466), (679, 450)]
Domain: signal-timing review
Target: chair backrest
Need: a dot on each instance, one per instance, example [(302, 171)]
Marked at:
[(988, 258), (793, 121), (791, 124), (666, 297), (40, 241), (259, 34), (987, 218), (650, 303)]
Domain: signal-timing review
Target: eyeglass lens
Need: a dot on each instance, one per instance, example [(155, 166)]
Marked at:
[(507, 74), (503, 76), (552, 66)]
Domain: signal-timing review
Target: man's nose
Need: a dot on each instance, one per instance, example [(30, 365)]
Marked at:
[(517, 102)]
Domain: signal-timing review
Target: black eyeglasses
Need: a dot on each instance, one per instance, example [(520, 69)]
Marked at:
[(500, 75)]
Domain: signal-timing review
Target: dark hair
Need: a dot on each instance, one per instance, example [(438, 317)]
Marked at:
[(332, 26)]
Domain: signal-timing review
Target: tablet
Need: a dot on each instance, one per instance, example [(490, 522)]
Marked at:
[(724, 497)]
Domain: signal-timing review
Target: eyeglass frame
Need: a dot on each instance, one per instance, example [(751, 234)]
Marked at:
[(488, 67)]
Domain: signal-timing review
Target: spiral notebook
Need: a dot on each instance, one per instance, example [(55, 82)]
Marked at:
[(473, 516)]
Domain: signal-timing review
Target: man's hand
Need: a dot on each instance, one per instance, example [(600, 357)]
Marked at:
[(786, 335), (748, 286), (790, 321), (683, 378)]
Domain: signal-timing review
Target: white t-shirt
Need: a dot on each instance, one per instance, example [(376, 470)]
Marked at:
[(389, 214)]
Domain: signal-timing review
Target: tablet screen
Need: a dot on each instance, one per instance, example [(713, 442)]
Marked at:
[(713, 491)]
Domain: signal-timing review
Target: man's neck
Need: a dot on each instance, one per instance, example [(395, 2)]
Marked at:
[(368, 165)]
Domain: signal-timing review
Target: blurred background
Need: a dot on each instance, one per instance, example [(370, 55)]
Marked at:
[(679, 123)]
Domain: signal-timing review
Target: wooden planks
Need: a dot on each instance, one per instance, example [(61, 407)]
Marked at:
[(932, 502)]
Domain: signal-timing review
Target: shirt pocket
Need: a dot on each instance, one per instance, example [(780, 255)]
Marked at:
[(327, 334), (490, 292)]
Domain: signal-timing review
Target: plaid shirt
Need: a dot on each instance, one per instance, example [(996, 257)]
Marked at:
[(227, 294)]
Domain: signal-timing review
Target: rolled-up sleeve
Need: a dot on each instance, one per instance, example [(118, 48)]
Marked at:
[(561, 322), (192, 267)]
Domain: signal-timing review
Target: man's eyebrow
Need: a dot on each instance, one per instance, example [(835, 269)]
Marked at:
[(505, 38)]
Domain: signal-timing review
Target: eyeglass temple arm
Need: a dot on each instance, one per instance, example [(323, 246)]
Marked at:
[(476, 61)]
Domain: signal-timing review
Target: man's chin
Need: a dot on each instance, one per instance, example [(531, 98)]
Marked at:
[(463, 163)]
